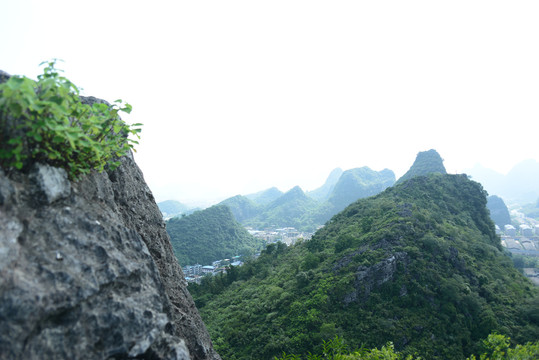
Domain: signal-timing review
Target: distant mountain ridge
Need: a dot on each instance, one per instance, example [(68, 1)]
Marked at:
[(293, 209), (171, 208), (520, 185), (265, 196), (359, 183), (323, 192), (297, 209), (268, 208)]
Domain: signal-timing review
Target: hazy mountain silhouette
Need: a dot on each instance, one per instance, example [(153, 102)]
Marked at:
[(171, 208), (520, 185), (265, 196), (358, 183), (323, 192)]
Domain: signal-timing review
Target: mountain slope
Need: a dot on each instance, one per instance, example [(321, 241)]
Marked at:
[(323, 192), (209, 235), (498, 211), (242, 208), (426, 162), (293, 208), (419, 265), (358, 183)]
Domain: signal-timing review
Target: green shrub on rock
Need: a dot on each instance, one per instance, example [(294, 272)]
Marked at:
[(46, 121)]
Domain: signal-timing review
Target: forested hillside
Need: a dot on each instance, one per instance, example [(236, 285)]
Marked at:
[(209, 235), (419, 265), (242, 207), (293, 208)]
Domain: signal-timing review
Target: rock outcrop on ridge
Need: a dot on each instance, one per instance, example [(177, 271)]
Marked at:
[(426, 162), (87, 271)]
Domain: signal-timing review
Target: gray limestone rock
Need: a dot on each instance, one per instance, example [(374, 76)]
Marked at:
[(51, 183), (87, 271), (372, 277)]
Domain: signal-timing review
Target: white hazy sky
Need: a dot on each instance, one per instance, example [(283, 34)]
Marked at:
[(239, 96)]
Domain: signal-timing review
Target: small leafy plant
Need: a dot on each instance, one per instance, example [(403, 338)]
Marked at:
[(46, 121), (497, 346)]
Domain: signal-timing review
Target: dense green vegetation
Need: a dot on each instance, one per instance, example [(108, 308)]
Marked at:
[(498, 211), (46, 121), (521, 261), (426, 162), (209, 235), (497, 347), (418, 265)]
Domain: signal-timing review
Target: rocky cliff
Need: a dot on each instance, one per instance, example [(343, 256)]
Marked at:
[(87, 271)]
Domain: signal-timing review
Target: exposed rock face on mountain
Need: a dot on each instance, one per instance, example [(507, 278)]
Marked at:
[(87, 271), (426, 162)]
